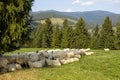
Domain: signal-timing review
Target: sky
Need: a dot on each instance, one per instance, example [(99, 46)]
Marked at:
[(77, 5)]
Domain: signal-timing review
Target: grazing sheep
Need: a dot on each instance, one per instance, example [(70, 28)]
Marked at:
[(53, 62), (77, 56), (70, 54), (85, 50), (63, 61), (20, 59), (67, 49), (89, 53), (11, 67), (75, 59), (34, 57), (106, 49), (36, 64), (18, 66), (3, 62)]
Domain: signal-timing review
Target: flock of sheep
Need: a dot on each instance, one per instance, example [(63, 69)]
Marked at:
[(41, 58)]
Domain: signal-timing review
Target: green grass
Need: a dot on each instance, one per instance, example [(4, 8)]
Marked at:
[(22, 50), (100, 66), (58, 21)]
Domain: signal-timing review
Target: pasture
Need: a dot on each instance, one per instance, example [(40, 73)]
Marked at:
[(100, 66)]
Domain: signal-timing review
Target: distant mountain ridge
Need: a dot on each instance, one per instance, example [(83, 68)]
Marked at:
[(91, 17)]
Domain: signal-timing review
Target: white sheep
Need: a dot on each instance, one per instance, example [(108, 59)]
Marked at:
[(53, 62), (70, 54), (106, 49), (89, 53), (67, 49)]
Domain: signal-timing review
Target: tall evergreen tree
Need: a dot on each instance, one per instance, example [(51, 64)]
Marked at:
[(95, 38), (107, 35), (117, 41), (82, 37), (48, 32), (66, 34), (56, 37), (14, 19), (37, 40)]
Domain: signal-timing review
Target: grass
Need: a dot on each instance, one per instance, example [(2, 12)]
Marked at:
[(22, 50), (58, 21), (100, 66)]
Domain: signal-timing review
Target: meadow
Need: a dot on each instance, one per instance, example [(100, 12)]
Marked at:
[(100, 66)]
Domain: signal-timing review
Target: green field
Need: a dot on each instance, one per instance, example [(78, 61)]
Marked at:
[(100, 66), (58, 21)]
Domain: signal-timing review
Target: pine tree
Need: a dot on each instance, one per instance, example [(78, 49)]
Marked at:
[(56, 37), (14, 20), (71, 39), (37, 40), (82, 37), (48, 32), (117, 41), (95, 38), (66, 35), (107, 35)]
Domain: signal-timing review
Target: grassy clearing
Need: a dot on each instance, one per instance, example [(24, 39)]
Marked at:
[(58, 21), (22, 50), (100, 66)]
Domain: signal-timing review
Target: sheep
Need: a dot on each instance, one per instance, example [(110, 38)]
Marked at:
[(77, 56), (67, 49), (70, 54), (36, 64), (89, 53), (106, 49), (85, 50), (63, 61), (53, 62)]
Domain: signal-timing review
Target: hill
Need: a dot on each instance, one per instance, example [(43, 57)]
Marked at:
[(55, 21), (91, 17), (48, 14)]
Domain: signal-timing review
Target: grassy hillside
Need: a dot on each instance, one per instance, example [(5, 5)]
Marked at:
[(100, 66), (58, 21)]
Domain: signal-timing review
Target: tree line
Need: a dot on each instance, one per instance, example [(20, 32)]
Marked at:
[(54, 36), (16, 32)]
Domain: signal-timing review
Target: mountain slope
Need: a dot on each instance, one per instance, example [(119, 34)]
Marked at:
[(94, 17), (48, 14), (91, 17)]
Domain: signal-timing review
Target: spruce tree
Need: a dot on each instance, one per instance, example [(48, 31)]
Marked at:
[(95, 38), (117, 37), (48, 32), (66, 35), (14, 20), (82, 37), (107, 35), (56, 37), (37, 40)]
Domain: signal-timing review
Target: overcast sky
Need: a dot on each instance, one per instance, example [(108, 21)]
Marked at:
[(77, 5)]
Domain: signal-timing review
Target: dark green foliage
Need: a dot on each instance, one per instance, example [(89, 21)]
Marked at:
[(67, 32), (56, 37), (14, 21), (49, 35), (95, 38), (43, 35), (81, 35), (107, 35), (117, 37), (48, 32), (37, 39)]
